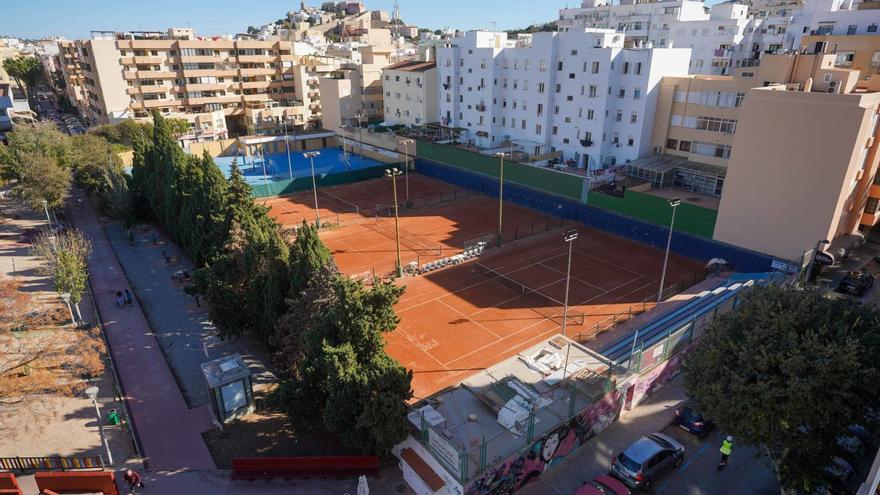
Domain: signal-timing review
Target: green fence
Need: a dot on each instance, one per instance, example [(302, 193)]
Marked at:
[(689, 218), (544, 179), (278, 188)]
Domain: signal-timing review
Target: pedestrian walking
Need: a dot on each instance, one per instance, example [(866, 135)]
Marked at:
[(128, 298), (120, 299), (133, 480), (726, 449)]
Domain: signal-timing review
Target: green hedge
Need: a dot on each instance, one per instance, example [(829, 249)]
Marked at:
[(278, 188), (548, 180), (689, 218)]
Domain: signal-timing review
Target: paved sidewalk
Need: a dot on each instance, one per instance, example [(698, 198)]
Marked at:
[(169, 432)]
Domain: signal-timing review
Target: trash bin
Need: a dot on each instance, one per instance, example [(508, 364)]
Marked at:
[(113, 417)]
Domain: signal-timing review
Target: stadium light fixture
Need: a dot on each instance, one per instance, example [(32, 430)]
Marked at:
[(392, 174), (311, 156)]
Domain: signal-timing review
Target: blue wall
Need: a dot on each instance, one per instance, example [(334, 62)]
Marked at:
[(742, 260)]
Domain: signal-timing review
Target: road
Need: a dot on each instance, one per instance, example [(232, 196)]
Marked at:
[(698, 473)]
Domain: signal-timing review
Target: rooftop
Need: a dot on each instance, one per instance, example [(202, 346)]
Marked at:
[(413, 66)]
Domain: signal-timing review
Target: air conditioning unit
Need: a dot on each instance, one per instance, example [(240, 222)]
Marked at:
[(832, 86), (657, 150)]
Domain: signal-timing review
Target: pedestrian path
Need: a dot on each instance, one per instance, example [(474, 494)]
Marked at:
[(169, 432)]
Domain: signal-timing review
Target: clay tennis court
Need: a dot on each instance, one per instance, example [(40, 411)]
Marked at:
[(466, 317)]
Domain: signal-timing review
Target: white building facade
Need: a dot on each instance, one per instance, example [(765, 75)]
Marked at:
[(837, 17), (578, 92), (410, 93), (642, 22)]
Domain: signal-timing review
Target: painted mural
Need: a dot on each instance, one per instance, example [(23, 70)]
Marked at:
[(652, 380), (528, 466)]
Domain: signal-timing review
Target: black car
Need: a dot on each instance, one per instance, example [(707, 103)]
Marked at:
[(856, 283), (689, 418)]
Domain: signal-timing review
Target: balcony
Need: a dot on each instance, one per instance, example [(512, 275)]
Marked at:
[(147, 104), (256, 59), (256, 72), (141, 60), (213, 99), (147, 89), (256, 85), (204, 87), (586, 143), (874, 191), (257, 97), (148, 74), (194, 59)]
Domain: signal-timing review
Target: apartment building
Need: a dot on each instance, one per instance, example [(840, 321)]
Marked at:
[(128, 75), (832, 17), (727, 39), (352, 95), (410, 92), (859, 52), (74, 87), (642, 22), (788, 146), (578, 95)]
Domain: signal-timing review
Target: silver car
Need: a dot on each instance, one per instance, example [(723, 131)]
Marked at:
[(647, 460)]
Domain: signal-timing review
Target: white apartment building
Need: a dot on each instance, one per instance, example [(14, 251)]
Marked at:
[(836, 17), (641, 21), (410, 92), (727, 38), (577, 92)]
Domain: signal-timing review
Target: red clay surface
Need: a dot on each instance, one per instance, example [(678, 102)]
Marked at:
[(458, 320)]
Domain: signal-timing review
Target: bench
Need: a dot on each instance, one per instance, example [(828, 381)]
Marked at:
[(304, 467)]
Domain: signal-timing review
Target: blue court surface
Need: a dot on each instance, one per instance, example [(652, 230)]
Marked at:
[(275, 168)]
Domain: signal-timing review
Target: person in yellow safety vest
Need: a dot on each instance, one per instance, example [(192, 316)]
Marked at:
[(726, 449)]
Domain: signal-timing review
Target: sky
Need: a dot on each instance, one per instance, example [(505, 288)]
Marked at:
[(74, 19)]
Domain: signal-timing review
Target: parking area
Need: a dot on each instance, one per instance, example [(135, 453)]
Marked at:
[(697, 474)]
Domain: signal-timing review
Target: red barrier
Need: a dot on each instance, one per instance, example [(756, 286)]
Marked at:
[(8, 484), (60, 481), (276, 467)]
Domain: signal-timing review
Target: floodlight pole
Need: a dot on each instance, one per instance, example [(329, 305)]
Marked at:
[(311, 156), (287, 144), (393, 174), (406, 143), (674, 202), (500, 196), (569, 237)]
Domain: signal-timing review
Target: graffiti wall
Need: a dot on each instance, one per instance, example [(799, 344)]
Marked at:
[(660, 374), (544, 453)]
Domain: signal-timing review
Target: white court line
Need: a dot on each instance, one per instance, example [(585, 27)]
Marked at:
[(469, 318)]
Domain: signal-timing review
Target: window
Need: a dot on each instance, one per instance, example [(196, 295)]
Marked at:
[(715, 124), (621, 93), (625, 69), (542, 65), (590, 114), (595, 68), (558, 88), (554, 130), (540, 87), (571, 75), (851, 29), (618, 116), (637, 93), (574, 53), (526, 64), (684, 146), (872, 28), (537, 128), (555, 109), (569, 98), (593, 90), (711, 149), (559, 66), (639, 64), (633, 118), (630, 141), (672, 144)]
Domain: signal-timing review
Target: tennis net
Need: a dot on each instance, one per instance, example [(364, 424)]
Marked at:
[(337, 199), (550, 302)]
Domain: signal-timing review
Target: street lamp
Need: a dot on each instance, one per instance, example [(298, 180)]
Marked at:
[(92, 393), (569, 237), (406, 143), (311, 156), (66, 297), (46, 209), (393, 174), (360, 116), (674, 202)]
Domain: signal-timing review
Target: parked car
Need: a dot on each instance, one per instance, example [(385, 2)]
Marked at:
[(851, 447), (647, 460), (838, 476), (856, 283), (689, 418), (603, 485)]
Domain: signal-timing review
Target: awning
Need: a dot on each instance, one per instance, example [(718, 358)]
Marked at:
[(421, 468)]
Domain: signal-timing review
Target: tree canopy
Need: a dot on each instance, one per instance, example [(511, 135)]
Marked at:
[(789, 371), (25, 70)]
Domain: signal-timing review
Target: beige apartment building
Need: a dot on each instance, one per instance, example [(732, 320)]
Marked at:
[(352, 94), (255, 86), (789, 146), (410, 92), (859, 52)]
